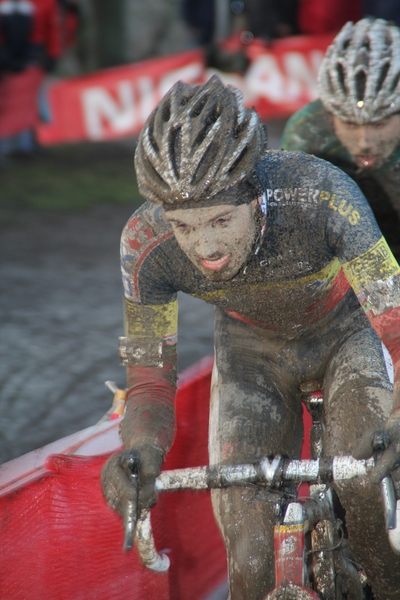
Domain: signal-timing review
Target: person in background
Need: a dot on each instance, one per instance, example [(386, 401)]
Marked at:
[(30, 45), (154, 28), (201, 18), (355, 123), (199, 15), (70, 63), (271, 19)]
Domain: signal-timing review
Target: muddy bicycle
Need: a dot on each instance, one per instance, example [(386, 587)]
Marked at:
[(312, 558)]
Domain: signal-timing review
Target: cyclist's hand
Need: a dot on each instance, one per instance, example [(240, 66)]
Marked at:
[(129, 477), (390, 458)]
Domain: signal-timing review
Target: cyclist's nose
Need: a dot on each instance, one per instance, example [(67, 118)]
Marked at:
[(207, 245), (365, 140)]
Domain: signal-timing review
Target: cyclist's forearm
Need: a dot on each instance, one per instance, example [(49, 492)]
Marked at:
[(149, 353), (150, 415)]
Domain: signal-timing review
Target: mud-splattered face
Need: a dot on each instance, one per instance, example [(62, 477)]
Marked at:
[(217, 239), (370, 145)]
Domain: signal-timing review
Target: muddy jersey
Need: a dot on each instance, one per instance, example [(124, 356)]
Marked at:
[(311, 130), (323, 255)]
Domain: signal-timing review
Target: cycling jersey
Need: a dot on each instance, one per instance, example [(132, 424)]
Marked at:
[(322, 250), (311, 130)]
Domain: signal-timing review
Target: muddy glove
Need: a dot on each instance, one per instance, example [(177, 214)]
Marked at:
[(130, 475), (389, 460), (128, 480)]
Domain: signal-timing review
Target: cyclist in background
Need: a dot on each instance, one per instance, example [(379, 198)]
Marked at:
[(355, 123), (305, 288)]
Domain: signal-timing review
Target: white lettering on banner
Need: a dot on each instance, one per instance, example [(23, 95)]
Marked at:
[(266, 78), (302, 78), (124, 115), (147, 97), (100, 106), (188, 74), (316, 57)]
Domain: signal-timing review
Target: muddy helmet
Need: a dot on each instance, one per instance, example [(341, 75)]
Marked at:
[(200, 141), (359, 78)]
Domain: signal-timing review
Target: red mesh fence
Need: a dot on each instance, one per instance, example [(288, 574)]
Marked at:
[(60, 541)]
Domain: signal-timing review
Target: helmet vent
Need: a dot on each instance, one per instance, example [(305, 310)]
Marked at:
[(382, 76), (166, 112), (238, 160), (341, 78), (198, 107), (360, 81), (175, 150), (345, 44), (366, 46), (205, 128), (394, 83), (152, 139), (205, 166), (156, 176)]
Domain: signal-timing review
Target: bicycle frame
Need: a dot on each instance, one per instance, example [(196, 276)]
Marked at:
[(289, 546)]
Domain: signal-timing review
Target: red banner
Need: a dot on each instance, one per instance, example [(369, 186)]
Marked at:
[(114, 103)]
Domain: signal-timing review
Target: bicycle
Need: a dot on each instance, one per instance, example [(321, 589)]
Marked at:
[(312, 561)]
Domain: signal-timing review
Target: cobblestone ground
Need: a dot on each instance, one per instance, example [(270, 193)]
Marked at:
[(61, 315), (61, 301)]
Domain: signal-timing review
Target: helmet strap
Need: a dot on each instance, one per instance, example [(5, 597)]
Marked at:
[(263, 204)]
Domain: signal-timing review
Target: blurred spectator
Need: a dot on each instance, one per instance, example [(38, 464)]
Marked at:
[(326, 16), (29, 34), (199, 15), (203, 18), (29, 47), (382, 9), (269, 19), (154, 28), (71, 16)]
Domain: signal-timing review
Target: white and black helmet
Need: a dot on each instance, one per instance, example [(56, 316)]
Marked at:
[(198, 142), (359, 78)]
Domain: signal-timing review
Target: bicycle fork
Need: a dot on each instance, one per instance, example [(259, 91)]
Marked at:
[(289, 547)]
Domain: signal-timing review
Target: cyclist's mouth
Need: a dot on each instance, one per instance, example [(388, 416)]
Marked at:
[(367, 162), (215, 264)]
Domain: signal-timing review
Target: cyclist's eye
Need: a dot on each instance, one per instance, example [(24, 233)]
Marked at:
[(222, 222), (181, 227)]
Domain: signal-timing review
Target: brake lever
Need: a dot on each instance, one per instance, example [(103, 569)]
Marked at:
[(380, 442), (131, 508)]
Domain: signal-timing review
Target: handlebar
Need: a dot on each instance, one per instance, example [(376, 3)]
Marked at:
[(272, 472)]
